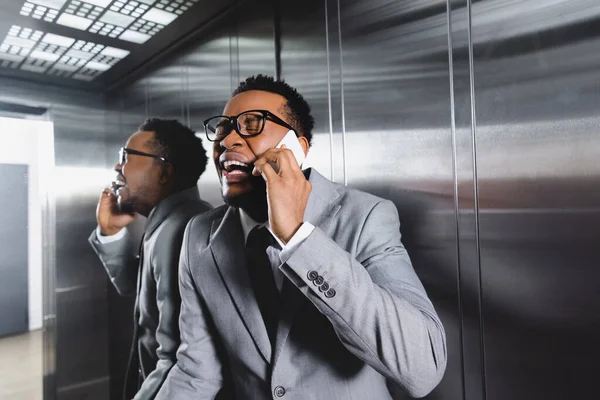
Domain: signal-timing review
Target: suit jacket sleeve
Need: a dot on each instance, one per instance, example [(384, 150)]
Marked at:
[(197, 373), (380, 310), (119, 261), (164, 261)]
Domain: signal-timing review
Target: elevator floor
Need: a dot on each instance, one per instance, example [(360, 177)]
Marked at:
[(21, 367)]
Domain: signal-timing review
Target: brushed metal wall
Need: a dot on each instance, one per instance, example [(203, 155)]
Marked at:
[(75, 309), (536, 74)]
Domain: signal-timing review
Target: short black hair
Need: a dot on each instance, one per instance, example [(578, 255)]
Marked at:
[(298, 110), (180, 145)]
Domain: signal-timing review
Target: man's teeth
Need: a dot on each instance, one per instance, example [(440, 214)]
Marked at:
[(228, 164)]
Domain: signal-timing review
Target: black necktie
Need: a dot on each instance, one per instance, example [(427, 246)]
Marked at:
[(262, 279)]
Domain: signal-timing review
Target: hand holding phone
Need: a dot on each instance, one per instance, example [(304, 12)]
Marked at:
[(290, 140), (287, 190)]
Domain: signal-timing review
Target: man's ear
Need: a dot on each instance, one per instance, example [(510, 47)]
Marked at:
[(304, 144), (166, 174)]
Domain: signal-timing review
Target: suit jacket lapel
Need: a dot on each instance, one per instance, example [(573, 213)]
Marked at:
[(320, 212), (227, 245)]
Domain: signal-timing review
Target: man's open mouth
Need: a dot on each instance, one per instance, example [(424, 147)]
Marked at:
[(233, 167)]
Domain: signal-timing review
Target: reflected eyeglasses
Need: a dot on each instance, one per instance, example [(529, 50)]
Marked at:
[(124, 151)]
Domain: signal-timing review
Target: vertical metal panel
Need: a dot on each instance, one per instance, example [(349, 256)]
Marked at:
[(304, 66), (536, 91), (399, 144), (466, 196), (164, 90), (255, 43)]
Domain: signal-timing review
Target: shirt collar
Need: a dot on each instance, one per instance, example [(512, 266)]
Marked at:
[(248, 224)]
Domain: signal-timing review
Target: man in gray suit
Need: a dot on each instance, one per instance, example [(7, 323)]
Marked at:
[(297, 288), (157, 177)]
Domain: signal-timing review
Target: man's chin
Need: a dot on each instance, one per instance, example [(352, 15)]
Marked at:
[(125, 206), (250, 196)]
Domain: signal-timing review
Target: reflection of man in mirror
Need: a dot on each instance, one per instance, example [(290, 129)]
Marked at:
[(157, 177), (298, 287)]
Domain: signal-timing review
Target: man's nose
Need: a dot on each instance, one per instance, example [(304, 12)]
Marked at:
[(231, 140)]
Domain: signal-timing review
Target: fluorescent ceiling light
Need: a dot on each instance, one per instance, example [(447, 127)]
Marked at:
[(97, 66), (74, 21), (133, 36), (33, 68), (11, 57), (17, 41), (149, 2), (101, 3), (49, 3), (84, 55), (83, 77), (42, 55), (58, 40), (114, 18), (65, 67), (114, 52), (159, 16)]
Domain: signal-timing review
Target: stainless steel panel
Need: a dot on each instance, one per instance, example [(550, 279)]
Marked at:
[(536, 94), (466, 192), (399, 142), (165, 90), (75, 314), (304, 66)]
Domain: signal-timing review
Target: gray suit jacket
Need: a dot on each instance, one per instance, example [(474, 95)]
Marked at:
[(158, 301), (374, 333)]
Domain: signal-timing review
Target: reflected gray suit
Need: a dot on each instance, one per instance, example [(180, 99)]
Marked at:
[(156, 310), (376, 331)]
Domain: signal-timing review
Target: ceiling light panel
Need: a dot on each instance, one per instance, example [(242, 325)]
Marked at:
[(30, 9), (84, 10), (17, 44), (74, 21), (56, 55), (57, 4), (175, 6), (131, 20)]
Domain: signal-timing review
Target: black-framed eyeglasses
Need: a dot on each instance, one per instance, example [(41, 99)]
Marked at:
[(124, 151), (247, 124)]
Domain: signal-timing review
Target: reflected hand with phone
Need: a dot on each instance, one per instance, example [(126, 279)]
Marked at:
[(287, 190), (110, 219)]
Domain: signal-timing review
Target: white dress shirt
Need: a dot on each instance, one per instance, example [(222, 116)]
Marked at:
[(302, 233)]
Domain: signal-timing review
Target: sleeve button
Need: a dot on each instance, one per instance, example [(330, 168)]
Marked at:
[(279, 391)]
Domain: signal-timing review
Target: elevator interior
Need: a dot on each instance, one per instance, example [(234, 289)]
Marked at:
[(478, 118)]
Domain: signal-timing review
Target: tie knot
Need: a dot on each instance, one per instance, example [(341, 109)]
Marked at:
[(259, 238)]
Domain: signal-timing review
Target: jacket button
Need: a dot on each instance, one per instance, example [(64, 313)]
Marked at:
[(324, 287), (319, 281), (330, 293), (312, 275), (279, 391)]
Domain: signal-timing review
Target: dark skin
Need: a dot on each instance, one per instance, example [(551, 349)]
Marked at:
[(287, 191), (147, 182)]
